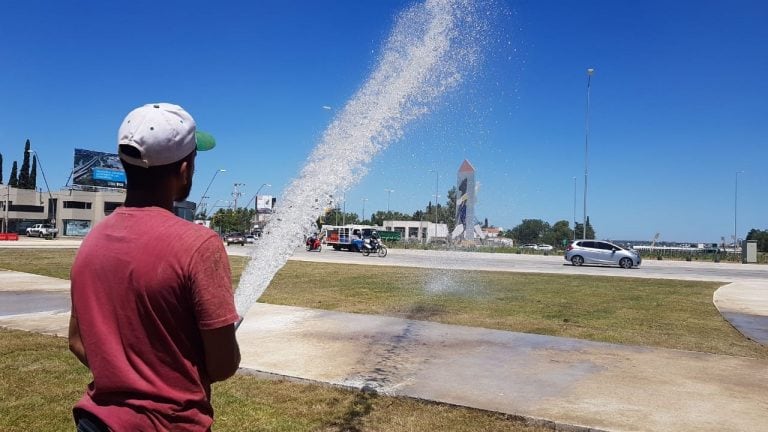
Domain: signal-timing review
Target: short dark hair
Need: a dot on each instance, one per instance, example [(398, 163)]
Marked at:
[(141, 178)]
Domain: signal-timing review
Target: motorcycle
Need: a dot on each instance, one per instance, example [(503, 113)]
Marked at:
[(374, 246), (313, 243)]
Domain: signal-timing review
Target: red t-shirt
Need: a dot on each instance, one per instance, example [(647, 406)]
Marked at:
[(144, 283)]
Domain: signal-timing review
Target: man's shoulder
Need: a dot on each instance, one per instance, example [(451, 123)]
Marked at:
[(190, 230)]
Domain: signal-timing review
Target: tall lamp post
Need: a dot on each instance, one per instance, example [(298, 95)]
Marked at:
[(574, 208), (364, 200), (389, 192), (51, 204), (590, 71), (203, 196), (735, 210)]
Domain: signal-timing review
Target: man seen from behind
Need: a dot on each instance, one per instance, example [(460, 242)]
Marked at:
[(153, 313)]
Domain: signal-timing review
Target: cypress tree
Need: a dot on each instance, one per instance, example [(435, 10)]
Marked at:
[(24, 172), (33, 174), (13, 181)]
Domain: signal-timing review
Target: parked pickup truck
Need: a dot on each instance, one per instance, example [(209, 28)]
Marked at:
[(42, 230)]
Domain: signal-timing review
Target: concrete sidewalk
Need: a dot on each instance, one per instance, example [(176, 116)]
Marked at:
[(745, 305), (554, 381), (572, 382)]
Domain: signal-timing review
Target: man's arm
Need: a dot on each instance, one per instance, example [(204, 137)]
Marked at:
[(75, 342), (222, 353)]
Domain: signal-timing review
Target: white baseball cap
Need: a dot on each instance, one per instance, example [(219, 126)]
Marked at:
[(162, 133)]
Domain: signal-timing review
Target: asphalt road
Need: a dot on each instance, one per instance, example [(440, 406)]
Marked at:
[(708, 271), (668, 269)]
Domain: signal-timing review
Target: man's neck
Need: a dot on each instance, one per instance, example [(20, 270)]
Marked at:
[(141, 198)]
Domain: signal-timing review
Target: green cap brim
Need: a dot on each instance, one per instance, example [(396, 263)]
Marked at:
[(205, 141)]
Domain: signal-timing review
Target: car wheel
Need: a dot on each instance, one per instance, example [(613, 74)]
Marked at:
[(625, 263), (577, 260)]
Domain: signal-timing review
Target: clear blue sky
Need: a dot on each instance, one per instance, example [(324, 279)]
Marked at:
[(679, 102)]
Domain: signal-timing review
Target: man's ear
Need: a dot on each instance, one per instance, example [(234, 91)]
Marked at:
[(184, 172)]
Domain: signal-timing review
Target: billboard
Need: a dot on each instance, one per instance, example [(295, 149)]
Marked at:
[(265, 203), (98, 169)]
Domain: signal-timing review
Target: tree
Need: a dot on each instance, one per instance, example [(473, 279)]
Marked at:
[(229, 220), (450, 209), (1, 168), (761, 236), (379, 217), (13, 180), (560, 232), (580, 230), (33, 174), (335, 216), (24, 172), (530, 231)]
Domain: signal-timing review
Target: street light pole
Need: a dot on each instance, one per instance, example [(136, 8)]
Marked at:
[(51, 204), (203, 196), (574, 208), (388, 191), (735, 210), (364, 200), (590, 71)]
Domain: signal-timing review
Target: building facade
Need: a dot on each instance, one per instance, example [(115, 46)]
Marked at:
[(422, 231), (73, 212)]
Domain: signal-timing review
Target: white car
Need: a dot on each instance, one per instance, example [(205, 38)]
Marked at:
[(544, 247), (601, 252)]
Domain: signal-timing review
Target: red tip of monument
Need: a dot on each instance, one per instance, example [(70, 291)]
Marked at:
[(466, 167)]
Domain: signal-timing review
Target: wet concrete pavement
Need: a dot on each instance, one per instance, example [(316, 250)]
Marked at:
[(556, 380)]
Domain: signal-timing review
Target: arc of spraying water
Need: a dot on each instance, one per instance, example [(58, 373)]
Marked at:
[(430, 49)]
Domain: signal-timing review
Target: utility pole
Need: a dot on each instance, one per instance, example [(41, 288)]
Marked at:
[(590, 71), (236, 194)]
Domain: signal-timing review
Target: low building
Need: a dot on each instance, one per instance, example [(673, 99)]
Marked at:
[(73, 212), (422, 231)]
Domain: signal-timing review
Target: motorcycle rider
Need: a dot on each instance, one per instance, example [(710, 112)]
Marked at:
[(374, 240), (313, 242)]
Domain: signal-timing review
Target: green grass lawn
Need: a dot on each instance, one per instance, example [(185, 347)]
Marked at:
[(42, 379), (651, 312)]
